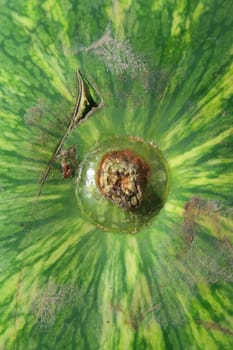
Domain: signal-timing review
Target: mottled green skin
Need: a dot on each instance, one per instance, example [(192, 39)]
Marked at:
[(65, 284)]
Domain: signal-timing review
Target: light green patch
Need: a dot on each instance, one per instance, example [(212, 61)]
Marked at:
[(177, 20)]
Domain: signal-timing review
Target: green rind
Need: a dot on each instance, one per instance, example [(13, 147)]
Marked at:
[(64, 283)]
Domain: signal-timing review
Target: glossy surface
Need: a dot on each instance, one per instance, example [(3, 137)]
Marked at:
[(116, 214)]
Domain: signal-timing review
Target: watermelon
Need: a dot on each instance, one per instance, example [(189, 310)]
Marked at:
[(163, 72)]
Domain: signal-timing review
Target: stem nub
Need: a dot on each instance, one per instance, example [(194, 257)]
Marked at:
[(122, 177), (122, 184)]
